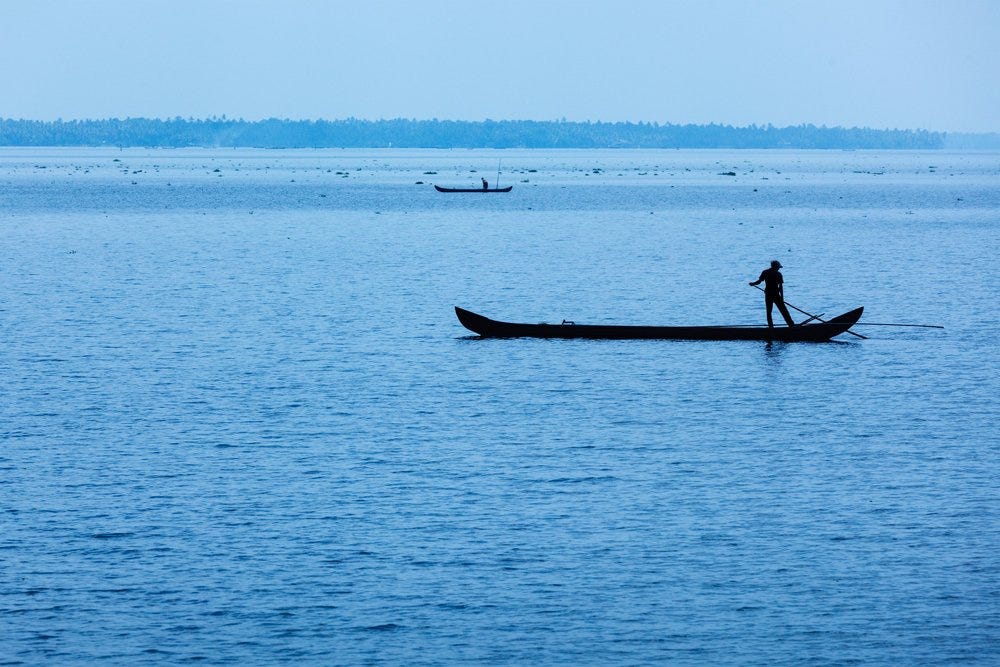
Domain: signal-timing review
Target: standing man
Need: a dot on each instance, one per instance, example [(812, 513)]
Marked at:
[(774, 293), (486, 186)]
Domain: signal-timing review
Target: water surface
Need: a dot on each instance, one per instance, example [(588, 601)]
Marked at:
[(241, 424)]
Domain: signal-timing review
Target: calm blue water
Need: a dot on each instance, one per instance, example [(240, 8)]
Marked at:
[(239, 422)]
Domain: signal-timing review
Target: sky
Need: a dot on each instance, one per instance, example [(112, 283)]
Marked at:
[(907, 64)]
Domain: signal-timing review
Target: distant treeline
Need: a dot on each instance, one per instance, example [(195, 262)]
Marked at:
[(403, 133)]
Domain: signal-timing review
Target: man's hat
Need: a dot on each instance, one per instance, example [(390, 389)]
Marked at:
[(775, 264)]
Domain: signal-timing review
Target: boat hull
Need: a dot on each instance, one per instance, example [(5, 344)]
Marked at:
[(440, 189), (817, 332)]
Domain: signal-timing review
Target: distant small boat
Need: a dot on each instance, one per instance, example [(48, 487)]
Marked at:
[(440, 189), (817, 332)]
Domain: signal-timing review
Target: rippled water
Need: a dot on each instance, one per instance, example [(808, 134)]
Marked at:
[(240, 423)]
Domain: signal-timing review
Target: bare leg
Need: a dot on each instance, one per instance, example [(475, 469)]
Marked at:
[(784, 312), (769, 304)]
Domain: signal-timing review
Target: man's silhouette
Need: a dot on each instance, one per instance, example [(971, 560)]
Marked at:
[(486, 185), (774, 293)]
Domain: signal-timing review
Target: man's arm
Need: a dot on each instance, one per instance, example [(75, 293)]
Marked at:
[(757, 282)]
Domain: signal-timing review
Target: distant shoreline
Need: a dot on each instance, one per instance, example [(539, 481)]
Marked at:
[(404, 133)]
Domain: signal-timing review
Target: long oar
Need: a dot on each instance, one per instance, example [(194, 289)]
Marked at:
[(810, 319), (811, 316), (893, 324)]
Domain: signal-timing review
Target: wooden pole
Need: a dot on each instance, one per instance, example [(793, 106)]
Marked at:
[(811, 316), (814, 317), (892, 324)]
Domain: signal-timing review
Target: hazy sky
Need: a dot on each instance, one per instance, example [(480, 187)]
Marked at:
[(876, 63)]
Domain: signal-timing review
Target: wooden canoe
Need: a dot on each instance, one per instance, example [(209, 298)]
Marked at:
[(440, 189), (813, 332)]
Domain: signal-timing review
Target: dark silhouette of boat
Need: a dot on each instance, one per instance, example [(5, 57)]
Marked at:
[(813, 332), (440, 189)]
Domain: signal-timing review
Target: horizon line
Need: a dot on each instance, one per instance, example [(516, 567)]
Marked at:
[(563, 120)]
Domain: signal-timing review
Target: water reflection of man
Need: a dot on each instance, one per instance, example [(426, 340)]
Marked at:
[(774, 292)]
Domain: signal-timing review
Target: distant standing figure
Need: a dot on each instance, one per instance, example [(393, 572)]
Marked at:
[(774, 292), (486, 186)]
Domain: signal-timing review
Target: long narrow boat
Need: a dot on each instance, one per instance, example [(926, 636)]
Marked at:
[(814, 332), (440, 189)]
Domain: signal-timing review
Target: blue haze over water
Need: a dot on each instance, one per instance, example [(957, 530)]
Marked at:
[(239, 422)]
